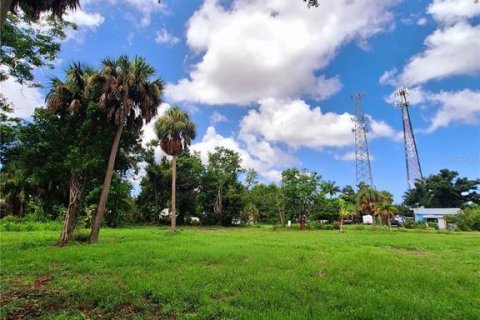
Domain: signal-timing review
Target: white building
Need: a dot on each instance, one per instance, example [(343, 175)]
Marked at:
[(436, 215)]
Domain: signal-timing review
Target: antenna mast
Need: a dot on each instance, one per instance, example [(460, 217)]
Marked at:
[(362, 157), (414, 171)]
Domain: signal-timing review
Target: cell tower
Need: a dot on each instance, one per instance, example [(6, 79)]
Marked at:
[(362, 157), (414, 171)]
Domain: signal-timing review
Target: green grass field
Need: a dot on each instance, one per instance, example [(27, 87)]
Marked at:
[(242, 273)]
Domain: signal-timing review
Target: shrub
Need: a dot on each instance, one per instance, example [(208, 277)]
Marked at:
[(468, 219)]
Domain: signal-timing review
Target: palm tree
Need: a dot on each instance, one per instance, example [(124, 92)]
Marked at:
[(66, 98), (367, 199), (175, 132), (129, 99), (331, 188), (387, 211), (33, 8), (346, 210)]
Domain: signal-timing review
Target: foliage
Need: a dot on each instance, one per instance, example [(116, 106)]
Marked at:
[(300, 188), (34, 8), (26, 46), (443, 190), (468, 219)]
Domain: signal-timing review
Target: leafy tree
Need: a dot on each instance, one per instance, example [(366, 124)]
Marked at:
[(386, 211), (221, 193), (443, 190), (129, 98), (300, 189), (175, 132), (34, 8), (312, 3), (25, 47), (468, 219)]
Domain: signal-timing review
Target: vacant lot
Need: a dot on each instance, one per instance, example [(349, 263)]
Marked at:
[(242, 273)]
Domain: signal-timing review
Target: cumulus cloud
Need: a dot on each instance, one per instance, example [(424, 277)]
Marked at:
[(271, 48), (23, 98), (449, 51), (84, 19), (455, 107), (452, 11), (296, 124), (163, 37), (265, 166)]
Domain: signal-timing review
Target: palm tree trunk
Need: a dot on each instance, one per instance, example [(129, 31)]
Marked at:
[(5, 7), (341, 224), (106, 186), (373, 221), (69, 222), (173, 218)]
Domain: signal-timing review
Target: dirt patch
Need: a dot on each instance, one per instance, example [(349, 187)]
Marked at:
[(413, 252), (321, 273)]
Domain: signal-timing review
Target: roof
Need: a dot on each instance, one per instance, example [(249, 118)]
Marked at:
[(436, 211)]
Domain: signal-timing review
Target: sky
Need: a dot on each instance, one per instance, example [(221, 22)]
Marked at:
[(273, 79)]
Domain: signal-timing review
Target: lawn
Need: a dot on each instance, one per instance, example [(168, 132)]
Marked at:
[(242, 273)]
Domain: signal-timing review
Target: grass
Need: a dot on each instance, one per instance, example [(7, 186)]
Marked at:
[(242, 273)]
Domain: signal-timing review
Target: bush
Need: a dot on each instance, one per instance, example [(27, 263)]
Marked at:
[(468, 219)]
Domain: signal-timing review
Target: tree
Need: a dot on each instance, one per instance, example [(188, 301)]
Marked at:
[(34, 8), (70, 100), (175, 132), (221, 194), (443, 190), (330, 187), (312, 3), (25, 46), (346, 210), (300, 189), (367, 199), (129, 98), (386, 211)]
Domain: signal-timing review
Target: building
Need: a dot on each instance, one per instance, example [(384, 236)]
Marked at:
[(436, 215)]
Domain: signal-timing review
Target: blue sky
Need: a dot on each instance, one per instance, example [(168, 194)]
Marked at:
[(272, 79)]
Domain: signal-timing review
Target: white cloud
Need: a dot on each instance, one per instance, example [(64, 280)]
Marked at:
[(422, 21), (348, 156), (217, 117), (272, 48), (449, 51), (296, 124), (452, 11), (24, 99), (149, 131), (163, 37), (84, 19), (460, 107)]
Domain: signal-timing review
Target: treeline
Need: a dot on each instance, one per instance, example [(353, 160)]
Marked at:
[(74, 159)]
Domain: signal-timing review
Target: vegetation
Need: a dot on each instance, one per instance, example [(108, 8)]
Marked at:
[(247, 273), (443, 190), (175, 133)]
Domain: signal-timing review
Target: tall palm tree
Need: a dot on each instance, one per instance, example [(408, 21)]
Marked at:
[(129, 97), (331, 188), (367, 199), (33, 8), (175, 132), (64, 98)]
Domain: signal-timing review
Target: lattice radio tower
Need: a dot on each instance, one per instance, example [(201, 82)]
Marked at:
[(362, 157), (414, 171)]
